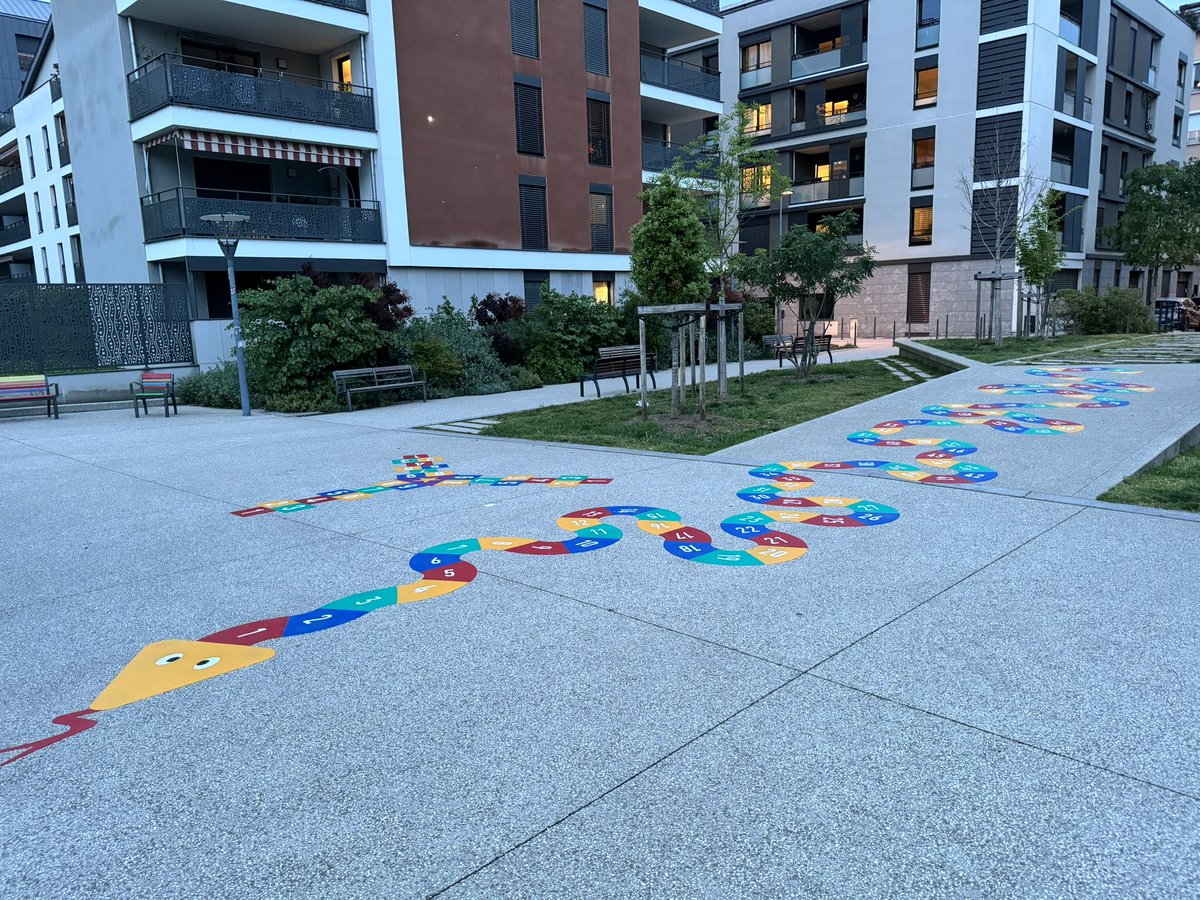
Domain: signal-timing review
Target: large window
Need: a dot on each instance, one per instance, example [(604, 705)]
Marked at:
[(595, 39), (756, 180), (925, 91), (756, 56), (46, 147), (920, 221), (534, 228), (37, 206), (600, 203), (527, 93), (524, 15), (599, 132), (929, 21), (923, 154), (54, 205), (758, 118)]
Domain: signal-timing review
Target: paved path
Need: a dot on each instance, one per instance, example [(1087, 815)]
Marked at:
[(993, 696)]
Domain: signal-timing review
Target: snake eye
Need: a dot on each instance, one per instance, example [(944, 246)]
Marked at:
[(169, 658), (207, 663)]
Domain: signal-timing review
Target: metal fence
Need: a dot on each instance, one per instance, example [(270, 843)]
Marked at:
[(60, 328)]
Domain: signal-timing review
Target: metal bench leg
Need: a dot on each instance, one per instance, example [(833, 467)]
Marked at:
[(626, 380), (582, 380), (596, 382), (54, 401), (166, 406), (136, 413), (653, 381), (174, 401)]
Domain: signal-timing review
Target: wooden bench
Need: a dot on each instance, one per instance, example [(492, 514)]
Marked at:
[(14, 388), (379, 378), (154, 386), (785, 346), (613, 362)]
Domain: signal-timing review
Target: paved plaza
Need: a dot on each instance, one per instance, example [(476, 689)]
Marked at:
[(992, 694)]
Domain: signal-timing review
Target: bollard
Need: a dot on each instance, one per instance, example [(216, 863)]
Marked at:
[(893, 332)]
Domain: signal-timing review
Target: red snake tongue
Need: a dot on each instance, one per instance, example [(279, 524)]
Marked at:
[(74, 722)]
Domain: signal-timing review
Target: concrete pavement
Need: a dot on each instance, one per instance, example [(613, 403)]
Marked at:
[(992, 696)]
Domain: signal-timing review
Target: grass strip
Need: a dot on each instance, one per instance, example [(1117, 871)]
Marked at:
[(1173, 485)]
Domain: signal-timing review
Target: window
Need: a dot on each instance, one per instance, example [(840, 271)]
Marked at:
[(345, 72), (45, 267), (1177, 131), (755, 236), (77, 256), (62, 263), (920, 221), (524, 15), (756, 179), (1104, 169), (68, 189), (533, 283), (1108, 92), (26, 51), (925, 92), (595, 39), (527, 94), (602, 287), (1124, 170), (758, 118), (60, 133), (29, 155), (37, 206), (923, 153), (599, 133), (1133, 36), (928, 23), (46, 147), (756, 56), (600, 203), (54, 204), (1128, 116), (534, 233), (919, 278)]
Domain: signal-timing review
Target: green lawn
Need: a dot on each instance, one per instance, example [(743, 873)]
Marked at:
[(1019, 348), (1173, 485), (773, 400)]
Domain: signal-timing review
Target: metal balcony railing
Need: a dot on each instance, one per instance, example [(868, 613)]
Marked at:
[(55, 88), (680, 76), (7, 122), (756, 77), (817, 190), (178, 211), (1068, 105), (19, 277), (1061, 168), (922, 178), (352, 5), (929, 33), (657, 156), (17, 231), (708, 6), (856, 113), (64, 153), (72, 213), (174, 79), (11, 178), (811, 62), (1069, 28)]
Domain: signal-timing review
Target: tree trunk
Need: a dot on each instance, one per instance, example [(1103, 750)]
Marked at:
[(674, 371), (722, 348)]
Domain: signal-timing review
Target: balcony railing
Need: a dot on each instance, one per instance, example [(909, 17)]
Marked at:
[(817, 190), (680, 76), (751, 78), (178, 211), (657, 156), (19, 277), (7, 122), (11, 178), (922, 178), (1069, 29), (1152, 76), (352, 5), (708, 6), (1061, 168), (857, 113), (1068, 105), (55, 88), (174, 79), (64, 153), (72, 213), (17, 231), (929, 33), (810, 62), (1193, 137)]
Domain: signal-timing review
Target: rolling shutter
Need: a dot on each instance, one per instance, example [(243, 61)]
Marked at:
[(595, 39), (602, 221), (599, 133), (530, 136), (534, 234), (525, 27), (919, 279), (755, 236)]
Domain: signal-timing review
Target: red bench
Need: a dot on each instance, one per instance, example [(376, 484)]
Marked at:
[(29, 387), (154, 385)]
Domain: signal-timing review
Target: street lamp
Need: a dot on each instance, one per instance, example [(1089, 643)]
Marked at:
[(228, 228), (782, 200)]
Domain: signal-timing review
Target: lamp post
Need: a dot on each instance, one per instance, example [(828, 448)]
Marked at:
[(228, 228), (782, 200)]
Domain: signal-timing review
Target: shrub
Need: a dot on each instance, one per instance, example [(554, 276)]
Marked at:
[(522, 379), (442, 369), (500, 315), (216, 387), (479, 369), (1117, 310), (563, 333)]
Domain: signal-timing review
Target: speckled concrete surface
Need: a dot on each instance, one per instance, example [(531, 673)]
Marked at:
[(992, 696)]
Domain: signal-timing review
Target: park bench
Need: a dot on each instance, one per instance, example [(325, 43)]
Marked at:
[(29, 387), (614, 362), (154, 386), (785, 346), (377, 378)]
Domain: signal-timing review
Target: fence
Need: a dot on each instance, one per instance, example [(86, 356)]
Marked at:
[(60, 328)]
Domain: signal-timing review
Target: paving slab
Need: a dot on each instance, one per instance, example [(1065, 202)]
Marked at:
[(821, 792), (1083, 642)]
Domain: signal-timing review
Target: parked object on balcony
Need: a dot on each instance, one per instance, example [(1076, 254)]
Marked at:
[(22, 388)]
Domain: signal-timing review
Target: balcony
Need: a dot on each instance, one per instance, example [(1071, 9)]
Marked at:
[(856, 113), (14, 233), (11, 178), (64, 153), (708, 6), (1069, 29), (1068, 105), (677, 75), (818, 190), (7, 122), (72, 214), (752, 78), (812, 62), (177, 212), (658, 156), (922, 178), (55, 88), (929, 33), (352, 5), (1061, 168), (174, 79)]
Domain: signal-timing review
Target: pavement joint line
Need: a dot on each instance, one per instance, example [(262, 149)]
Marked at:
[(615, 787), (1006, 737), (896, 618)]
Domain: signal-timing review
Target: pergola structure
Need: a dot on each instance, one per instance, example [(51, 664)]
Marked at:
[(682, 319)]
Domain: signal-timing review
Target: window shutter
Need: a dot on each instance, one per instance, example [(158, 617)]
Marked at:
[(595, 39), (755, 236), (534, 234), (524, 27), (918, 297), (533, 281), (602, 223), (530, 138), (599, 133)]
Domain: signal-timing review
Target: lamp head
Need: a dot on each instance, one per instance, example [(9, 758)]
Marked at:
[(228, 229)]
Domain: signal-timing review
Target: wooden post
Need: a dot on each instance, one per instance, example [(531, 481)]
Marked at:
[(675, 369), (681, 338), (722, 352), (703, 361), (694, 351), (642, 349), (742, 349)]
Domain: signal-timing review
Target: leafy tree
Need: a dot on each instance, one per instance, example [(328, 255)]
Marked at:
[(810, 271), (1039, 247), (738, 178), (667, 257), (1160, 225)]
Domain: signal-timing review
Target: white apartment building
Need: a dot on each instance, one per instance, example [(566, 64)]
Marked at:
[(888, 107), (457, 148)]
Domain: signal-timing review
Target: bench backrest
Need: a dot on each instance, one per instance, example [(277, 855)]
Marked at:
[(629, 350), (157, 381), (12, 386)]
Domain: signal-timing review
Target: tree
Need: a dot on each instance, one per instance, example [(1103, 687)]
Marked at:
[(667, 257), (811, 271), (1160, 224), (738, 178), (1039, 248)]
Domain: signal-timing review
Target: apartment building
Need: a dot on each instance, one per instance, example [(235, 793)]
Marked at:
[(936, 121), (1193, 106), (457, 147)]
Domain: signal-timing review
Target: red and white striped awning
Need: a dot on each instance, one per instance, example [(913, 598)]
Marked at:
[(265, 148)]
